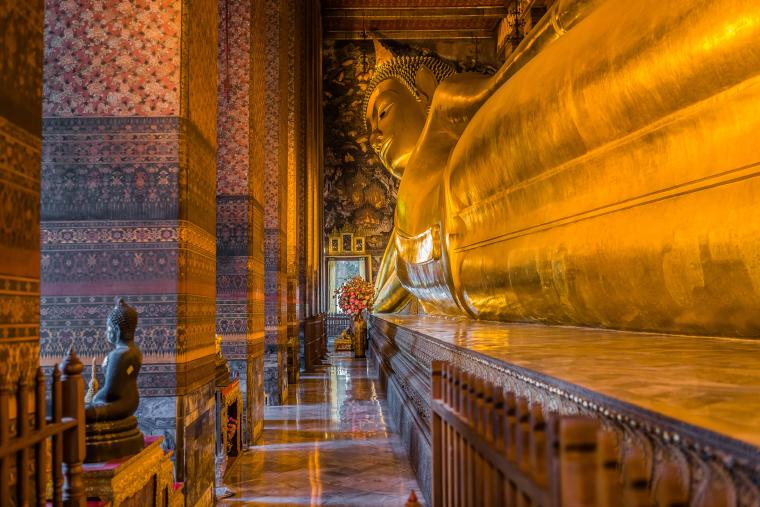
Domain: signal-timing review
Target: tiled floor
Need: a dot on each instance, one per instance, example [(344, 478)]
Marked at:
[(332, 445)]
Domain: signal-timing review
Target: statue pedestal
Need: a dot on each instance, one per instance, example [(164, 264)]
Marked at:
[(683, 402), (111, 440), (146, 478)]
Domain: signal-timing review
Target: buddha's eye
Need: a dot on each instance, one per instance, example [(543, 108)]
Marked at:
[(384, 111)]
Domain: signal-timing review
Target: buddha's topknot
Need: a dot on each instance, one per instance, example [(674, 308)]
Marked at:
[(123, 317), (404, 68)]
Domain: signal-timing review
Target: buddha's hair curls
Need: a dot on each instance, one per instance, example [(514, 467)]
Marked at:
[(123, 317), (404, 68)]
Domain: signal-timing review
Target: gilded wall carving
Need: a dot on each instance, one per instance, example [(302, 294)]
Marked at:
[(358, 191)]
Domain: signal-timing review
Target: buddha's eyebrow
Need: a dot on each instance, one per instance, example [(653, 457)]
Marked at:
[(378, 102), (382, 100)]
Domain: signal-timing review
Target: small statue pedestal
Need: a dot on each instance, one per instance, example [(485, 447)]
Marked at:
[(344, 343), (147, 478), (229, 413)]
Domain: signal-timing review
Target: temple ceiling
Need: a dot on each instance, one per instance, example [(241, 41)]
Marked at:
[(412, 19)]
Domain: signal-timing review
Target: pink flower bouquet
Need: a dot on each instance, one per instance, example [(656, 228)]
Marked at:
[(355, 295)]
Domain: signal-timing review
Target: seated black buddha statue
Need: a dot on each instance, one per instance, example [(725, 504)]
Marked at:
[(112, 430)]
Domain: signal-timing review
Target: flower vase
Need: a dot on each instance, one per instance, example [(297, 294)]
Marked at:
[(360, 335)]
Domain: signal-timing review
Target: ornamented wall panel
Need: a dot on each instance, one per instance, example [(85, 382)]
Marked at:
[(111, 168), (275, 158), (21, 24), (197, 181), (112, 58)]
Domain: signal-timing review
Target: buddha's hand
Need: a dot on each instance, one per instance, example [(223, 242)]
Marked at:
[(93, 411)]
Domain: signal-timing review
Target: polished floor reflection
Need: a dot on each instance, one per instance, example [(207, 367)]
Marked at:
[(333, 444)]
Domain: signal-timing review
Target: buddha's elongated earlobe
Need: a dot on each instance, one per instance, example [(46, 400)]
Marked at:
[(426, 84)]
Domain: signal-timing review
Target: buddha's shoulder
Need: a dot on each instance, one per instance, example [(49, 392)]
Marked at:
[(456, 84), (125, 353)]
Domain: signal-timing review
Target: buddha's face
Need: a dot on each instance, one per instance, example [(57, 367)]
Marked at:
[(396, 119), (112, 335)]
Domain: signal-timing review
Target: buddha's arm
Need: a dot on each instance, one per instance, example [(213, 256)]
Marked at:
[(118, 398), (391, 296)]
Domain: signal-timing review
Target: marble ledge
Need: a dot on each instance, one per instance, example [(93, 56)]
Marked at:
[(706, 388)]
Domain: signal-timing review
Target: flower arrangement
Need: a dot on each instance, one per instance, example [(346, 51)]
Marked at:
[(355, 295)]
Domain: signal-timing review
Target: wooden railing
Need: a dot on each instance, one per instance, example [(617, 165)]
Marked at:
[(64, 430), (491, 447)]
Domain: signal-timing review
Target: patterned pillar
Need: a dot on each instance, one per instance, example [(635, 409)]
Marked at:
[(276, 33), (313, 159), (296, 186), (239, 212), (128, 203), (21, 25)]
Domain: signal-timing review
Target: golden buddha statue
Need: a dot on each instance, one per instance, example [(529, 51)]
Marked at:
[(606, 176)]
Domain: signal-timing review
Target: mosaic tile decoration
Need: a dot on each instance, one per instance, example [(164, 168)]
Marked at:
[(21, 24), (112, 58)]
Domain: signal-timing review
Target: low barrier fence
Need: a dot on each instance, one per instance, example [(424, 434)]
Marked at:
[(24, 470)]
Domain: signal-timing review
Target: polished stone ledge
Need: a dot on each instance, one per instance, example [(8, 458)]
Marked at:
[(697, 392)]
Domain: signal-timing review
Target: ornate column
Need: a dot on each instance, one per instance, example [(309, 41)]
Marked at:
[(313, 159), (128, 203), (239, 223), (275, 133), (21, 24), (296, 184)]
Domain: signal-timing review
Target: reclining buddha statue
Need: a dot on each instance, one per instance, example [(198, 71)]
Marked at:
[(605, 176)]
